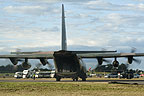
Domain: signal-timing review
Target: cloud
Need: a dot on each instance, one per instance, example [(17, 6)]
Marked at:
[(107, 29), (127, 20), (52, 1), (31, 37), (116, 23), (102, 5), (107, 6), (79, 15), (32, 10), (137, 7)]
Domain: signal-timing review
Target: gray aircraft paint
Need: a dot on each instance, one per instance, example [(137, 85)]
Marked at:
[(64, 42)]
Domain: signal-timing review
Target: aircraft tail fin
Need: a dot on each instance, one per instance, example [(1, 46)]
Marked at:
[(64, 42)]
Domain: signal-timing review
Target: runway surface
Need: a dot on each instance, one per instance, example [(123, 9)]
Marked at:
[(111, 81)]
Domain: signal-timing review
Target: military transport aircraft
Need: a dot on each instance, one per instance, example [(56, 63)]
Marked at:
[(68, 64)]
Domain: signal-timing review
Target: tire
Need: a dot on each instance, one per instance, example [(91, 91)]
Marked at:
[(83, 79), (76, 79), (58, 79)]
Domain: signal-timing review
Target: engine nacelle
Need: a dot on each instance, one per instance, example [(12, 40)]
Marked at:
[(100, 61), (130, 60), (115, 63), (44, 61), (14, 60), (26, 65)]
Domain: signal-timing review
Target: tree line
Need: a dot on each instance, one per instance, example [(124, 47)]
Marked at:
[(10, 68), (17, 68)]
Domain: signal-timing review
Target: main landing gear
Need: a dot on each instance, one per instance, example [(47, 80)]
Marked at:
[(75, 79), (58, 78), (115, 63), (83, 79)]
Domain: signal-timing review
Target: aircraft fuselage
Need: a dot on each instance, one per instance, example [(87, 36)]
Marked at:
[(68, 66)]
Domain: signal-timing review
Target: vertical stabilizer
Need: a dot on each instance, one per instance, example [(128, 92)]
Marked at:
[(64, 42)]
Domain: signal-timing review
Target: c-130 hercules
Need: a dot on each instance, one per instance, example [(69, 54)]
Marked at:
[(68, 63)]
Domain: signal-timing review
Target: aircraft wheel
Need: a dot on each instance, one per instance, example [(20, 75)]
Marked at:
[(58, 79), (76, 79), (83, 79), (73, 79)]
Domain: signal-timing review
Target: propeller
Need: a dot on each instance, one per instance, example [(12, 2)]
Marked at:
[(138, 61), (38, 65), (101, 60), (9, 62), (83, 64), (15, 67), (107, 61), (127, 65), (133, 50), (50, 65)]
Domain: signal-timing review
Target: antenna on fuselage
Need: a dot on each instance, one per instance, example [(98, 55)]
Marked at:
[(64, 42)]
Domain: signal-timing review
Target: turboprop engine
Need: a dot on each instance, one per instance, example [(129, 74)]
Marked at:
[(100, 61), (25, 64), (14, 60), (115, 63), (130, 60)]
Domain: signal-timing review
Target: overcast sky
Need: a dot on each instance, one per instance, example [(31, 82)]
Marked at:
[(91, 25)]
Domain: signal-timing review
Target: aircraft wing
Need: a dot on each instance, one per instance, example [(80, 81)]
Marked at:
[(81, 54), (109, 55), (28, 56), (86, 52)]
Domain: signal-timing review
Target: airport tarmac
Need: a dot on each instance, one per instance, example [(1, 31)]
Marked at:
[(110, 81)]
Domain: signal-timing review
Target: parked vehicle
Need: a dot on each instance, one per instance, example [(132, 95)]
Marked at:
[(136, 75), (33, 74), (142, 75), (52, 74), (112, 76), (45, 74), (27, 74), (18, 75), (128, 75)]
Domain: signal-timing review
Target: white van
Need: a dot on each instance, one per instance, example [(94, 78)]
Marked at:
[(18, 75), (52, 74), (27, 74), (45, 74)]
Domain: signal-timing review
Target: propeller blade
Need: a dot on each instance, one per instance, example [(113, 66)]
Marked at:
[(103, 49), (15, 67), (84, 65), (137, 60), (38, 65), (20, 60), (107, 61), (50, 65), (133, 50)]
